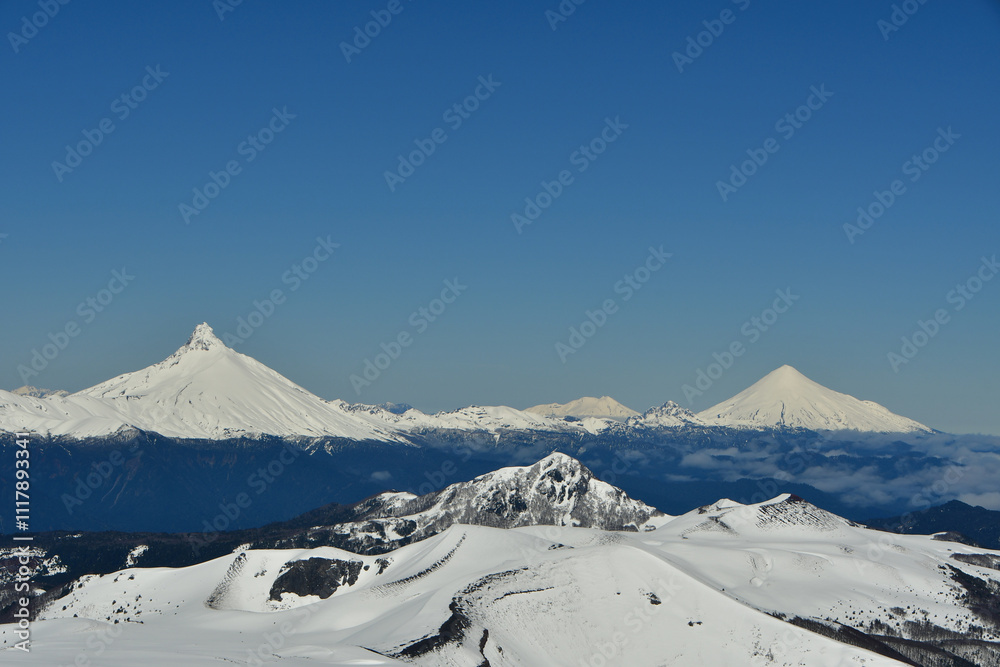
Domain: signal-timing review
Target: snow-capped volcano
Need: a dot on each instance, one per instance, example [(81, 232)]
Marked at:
[(787, 398), (203, 390), (588, 406), (206, 389)]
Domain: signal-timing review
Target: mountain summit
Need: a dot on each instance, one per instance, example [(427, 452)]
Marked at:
[(203, 390), (208, 390), (203, 338), (605, 407), (786, 397)]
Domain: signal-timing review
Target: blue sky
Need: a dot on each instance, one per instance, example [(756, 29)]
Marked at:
[(656, 184)]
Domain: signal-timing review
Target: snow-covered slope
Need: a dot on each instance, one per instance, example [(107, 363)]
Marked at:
[(780, 582), (74, 415), (203, 390), (464, 597), (790, 558), (786, 397), (548, 595), (604, 407)]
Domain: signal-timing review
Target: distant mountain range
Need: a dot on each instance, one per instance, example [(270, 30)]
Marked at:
[(35, 392), (207, 390), (160, 448)]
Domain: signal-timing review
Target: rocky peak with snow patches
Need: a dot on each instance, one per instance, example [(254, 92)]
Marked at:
[(668, 415), (557, 490)]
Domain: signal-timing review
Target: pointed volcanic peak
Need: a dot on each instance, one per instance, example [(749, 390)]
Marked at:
[(787, 398), (604, 407), (207, 390)]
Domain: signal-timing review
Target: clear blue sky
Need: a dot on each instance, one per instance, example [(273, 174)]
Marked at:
[(656, 184)]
